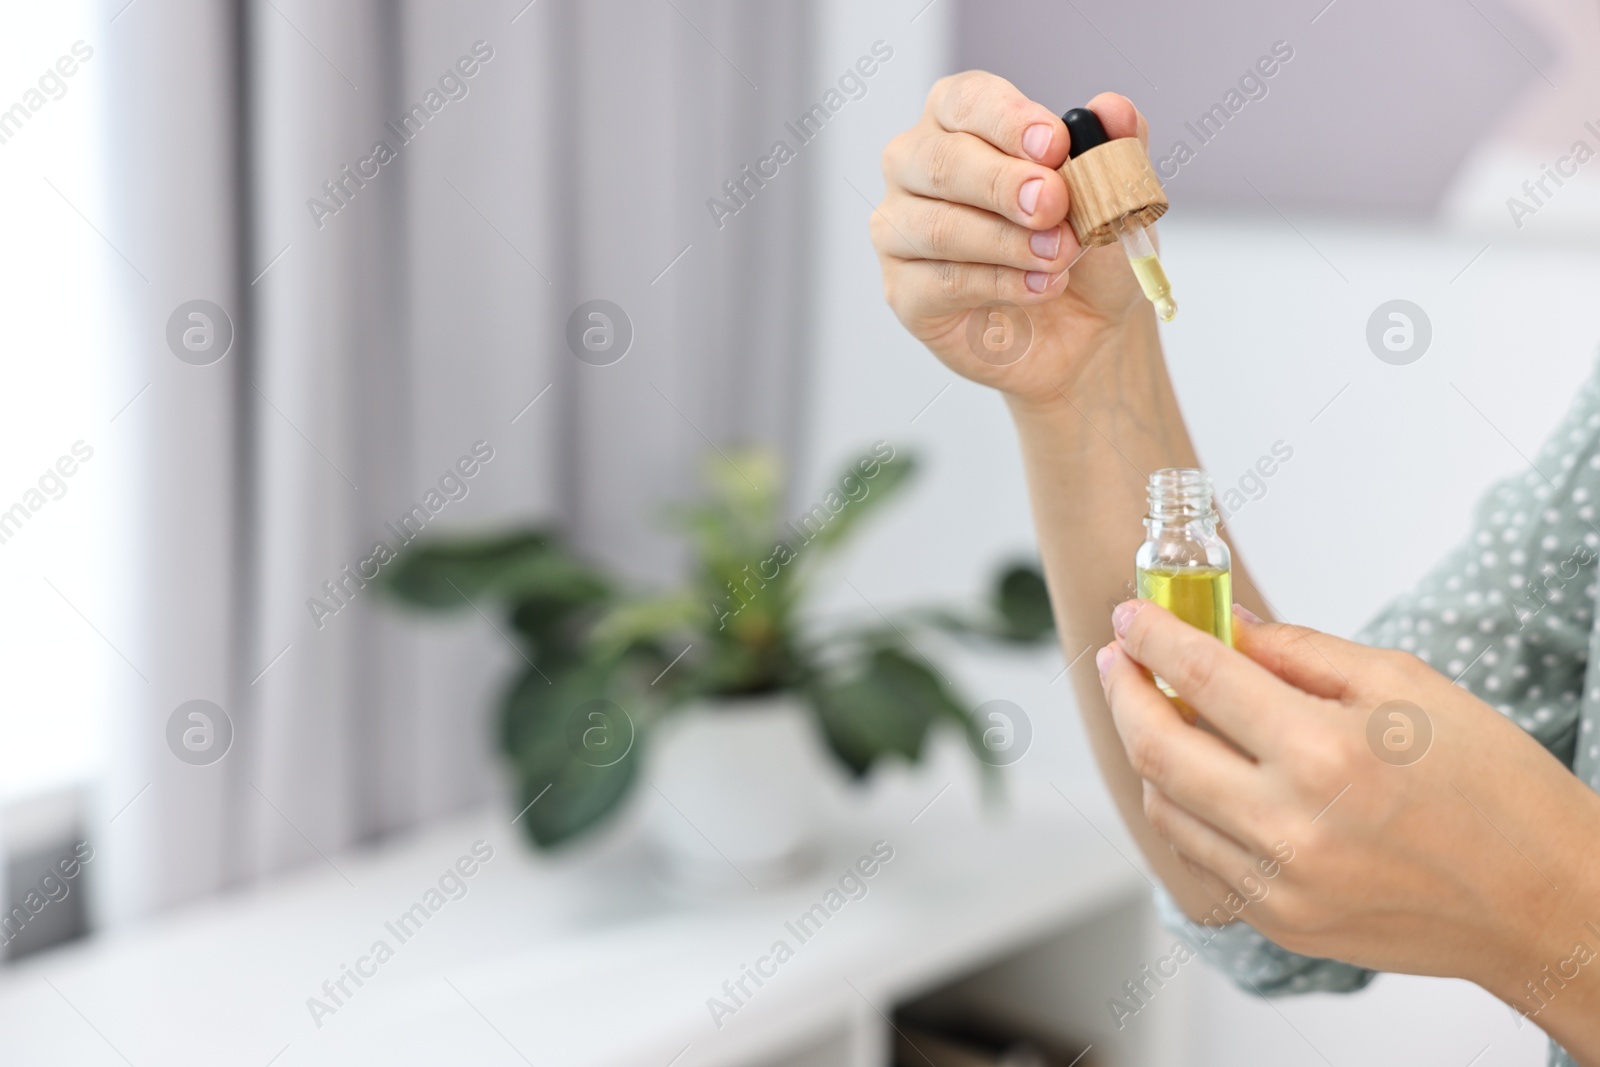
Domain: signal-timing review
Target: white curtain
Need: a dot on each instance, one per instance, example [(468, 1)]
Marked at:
[(397, 311)]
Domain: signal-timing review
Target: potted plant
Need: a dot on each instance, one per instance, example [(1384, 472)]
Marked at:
[(726, 681)]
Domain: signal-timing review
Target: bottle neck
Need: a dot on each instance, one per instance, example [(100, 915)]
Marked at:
[(1192, 530), (1180, 503)]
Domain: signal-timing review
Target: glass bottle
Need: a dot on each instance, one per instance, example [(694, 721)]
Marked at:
[(1183, 565)]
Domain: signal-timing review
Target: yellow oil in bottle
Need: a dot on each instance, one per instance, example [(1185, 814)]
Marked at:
[(1153, 280), (1200, 596)]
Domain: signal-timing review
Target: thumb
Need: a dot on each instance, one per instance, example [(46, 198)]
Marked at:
[(1120, 117), (1305, 658)]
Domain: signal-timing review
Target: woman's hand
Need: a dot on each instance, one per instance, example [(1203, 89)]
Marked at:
[(1431, 836), (974, 214)]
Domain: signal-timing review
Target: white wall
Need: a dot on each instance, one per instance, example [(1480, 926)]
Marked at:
[(1380, 484)]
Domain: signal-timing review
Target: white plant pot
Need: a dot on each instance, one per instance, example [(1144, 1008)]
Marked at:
[(737, 787)]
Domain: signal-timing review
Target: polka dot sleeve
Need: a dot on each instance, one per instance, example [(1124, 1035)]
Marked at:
[(1509, 614), (1258, 965)]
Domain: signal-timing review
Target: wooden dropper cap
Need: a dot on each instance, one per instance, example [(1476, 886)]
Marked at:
[(1107, 180)]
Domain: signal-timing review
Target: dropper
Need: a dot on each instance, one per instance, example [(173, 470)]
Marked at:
[(1087, 133), (1146, 266)]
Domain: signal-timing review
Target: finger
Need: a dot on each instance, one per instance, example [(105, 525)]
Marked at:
[(1220, 892), (987, 106), (1305, 658), (945, 287), (1239, 697), (1120, 118), (1192, 767), (1196, 838), (969, 170), (920, 228)]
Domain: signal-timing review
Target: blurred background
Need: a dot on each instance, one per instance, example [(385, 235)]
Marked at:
[(278, 273)]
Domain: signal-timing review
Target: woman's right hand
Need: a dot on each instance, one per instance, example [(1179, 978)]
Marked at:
[(975, 214)]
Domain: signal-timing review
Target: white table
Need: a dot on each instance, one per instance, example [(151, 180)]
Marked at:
[(588, 960)]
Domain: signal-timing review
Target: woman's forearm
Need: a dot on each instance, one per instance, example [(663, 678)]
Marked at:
[(1087, 455), (1550, 971)]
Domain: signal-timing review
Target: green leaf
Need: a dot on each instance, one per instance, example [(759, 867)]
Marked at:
[(886, 708), (830, 529), (648, 619), (1020, 612), (1023, 602), (525, 564), (556, 733)]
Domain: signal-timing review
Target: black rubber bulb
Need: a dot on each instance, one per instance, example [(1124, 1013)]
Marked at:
[(1085, 129)]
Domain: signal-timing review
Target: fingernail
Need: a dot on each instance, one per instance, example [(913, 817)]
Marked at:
[(1245, 613), (1036, 140), (1028, 196), (1123, 614), (1037, 280), (1046, 243), (1102, 660)]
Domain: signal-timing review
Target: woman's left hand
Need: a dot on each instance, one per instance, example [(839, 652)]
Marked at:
[(1366, 809)]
